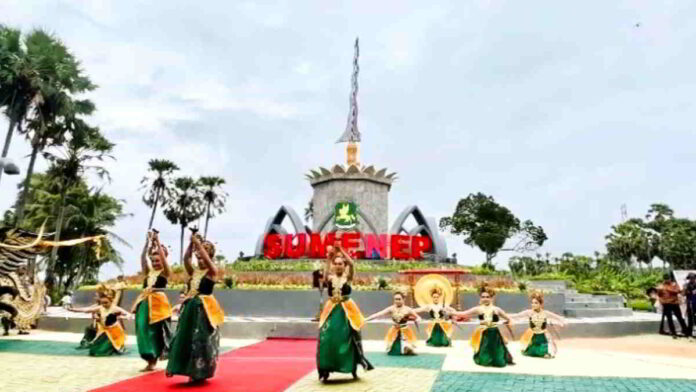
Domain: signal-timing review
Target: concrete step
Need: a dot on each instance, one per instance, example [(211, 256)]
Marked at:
[(578, 297), (593, 305), (598, 312)]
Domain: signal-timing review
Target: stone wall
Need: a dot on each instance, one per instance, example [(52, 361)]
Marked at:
[(305, 303), (371, 197)]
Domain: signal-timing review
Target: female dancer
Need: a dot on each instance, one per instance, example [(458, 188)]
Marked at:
[(537, 339), (152, 310), (488, 343), (110, 338), (400, 338), (440, 328), (91, 330), (195, 346), (340, 345)]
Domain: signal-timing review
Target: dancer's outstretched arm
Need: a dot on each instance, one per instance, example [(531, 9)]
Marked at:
[(86, 309), (560, 321), (379, 314), (209, 265)]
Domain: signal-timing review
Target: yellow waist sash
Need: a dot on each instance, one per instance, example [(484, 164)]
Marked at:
[(158, 305), (393, 334), (477, 337), (115, 333), (445, 325), (355, 318), (526, 338), (213, 310)]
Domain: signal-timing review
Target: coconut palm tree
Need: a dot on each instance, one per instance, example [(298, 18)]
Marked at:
[(184, 207), (19, 81), (54, 105), (157, 185), (214, 198), (68, 166)]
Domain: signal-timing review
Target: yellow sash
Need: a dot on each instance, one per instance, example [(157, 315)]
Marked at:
[(393, 333), (355, 318), (445, 325), (115, 333), (157, 303), (216, 316), (477, 336)]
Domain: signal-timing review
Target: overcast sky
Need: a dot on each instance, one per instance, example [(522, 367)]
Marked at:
[(562, 112)]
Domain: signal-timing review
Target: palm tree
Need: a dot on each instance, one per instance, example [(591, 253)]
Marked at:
[(158, 189), (19, 82), (184, 207), (68, 166), (54, 107), (213, 197)]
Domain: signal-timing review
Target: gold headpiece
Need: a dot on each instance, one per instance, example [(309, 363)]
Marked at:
[(537, 295), (105, 291), (428, 284)]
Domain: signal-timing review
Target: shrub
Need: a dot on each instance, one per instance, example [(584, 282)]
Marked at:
[(641, 305)]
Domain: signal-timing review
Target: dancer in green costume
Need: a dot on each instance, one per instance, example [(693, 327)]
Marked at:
[(152, 310), (196, 343), (400, 339), (537, 341), (489, 345), (110, 338), (440, 328), (339, 348)]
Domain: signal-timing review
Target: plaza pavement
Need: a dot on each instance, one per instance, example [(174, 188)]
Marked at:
[(47, 362)]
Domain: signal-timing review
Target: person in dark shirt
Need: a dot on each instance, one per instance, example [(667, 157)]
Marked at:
[(690, 293)]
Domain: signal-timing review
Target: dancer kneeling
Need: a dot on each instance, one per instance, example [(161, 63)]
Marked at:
[(340, 345), (536, 340), (196, 343), (488, 343), (440, 328), (110, 337), (152, 310), (400, 338)]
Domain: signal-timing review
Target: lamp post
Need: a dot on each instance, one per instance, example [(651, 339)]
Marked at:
[(8, 167)]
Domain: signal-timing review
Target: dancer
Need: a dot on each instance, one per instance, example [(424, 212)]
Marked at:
[(91, 329), (488, 343), (400, 338), (152, 310), (194, 350), (537, 339), (340, 345), (440, 328), (110, 338)]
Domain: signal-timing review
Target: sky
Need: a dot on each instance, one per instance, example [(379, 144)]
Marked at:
[(563, 112)]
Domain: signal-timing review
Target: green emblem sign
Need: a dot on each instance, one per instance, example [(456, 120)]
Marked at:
[(346, 215)]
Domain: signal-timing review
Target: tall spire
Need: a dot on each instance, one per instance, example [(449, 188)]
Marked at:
[(351, 134)]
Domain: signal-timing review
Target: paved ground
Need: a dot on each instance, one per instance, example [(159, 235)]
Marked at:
[(48, 362)]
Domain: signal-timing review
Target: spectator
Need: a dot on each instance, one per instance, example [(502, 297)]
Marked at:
[(690, 293), (66, 301), (668, 293)]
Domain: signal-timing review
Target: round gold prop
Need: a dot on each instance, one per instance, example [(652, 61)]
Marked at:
[(424, 286)]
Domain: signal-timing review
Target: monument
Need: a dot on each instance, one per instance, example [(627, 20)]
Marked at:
[(353, 197)]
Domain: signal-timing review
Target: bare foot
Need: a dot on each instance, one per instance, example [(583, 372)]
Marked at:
[(150, 367)]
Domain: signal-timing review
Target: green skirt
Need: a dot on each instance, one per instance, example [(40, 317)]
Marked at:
[(438, 338), (153, 339), (195, 346), (339, 348), (396, 346), (493, 351), (102, 347), (87, 338), (538, 347)]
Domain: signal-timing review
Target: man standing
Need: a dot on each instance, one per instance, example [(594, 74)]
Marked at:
[(690, 293), (668, 292)]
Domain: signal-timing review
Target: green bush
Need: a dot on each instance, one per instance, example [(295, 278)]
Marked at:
[(642, 305)]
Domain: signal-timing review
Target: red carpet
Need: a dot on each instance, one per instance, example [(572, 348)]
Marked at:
[(269, 366)]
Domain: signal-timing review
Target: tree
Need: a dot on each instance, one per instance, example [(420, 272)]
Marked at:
[(678, 243), (488, 225), (214, 198), (184, 207), (54, 106), (68, 166), (633, 239), (158, 189), (19, 82), (87, 213)]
